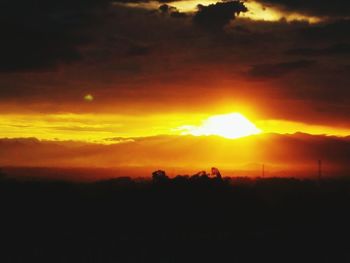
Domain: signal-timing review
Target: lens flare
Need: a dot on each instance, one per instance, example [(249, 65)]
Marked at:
[(88, 97)]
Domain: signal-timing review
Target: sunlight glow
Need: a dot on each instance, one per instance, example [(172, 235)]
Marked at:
[(111, 128), (232, 126), (256, 10)]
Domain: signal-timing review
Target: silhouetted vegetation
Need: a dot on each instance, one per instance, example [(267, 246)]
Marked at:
[(201, 178), (199, 218)]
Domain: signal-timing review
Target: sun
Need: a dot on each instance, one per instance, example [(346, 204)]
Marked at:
[(231, 126)]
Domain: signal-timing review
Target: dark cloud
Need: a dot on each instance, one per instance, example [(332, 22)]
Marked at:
[(167, 9), (172, 11), (334, 8), (336, 31), (42, 34), (276, 70), (139, 50), (337, 49), (216, 16), (178, 14), (135, 60), (167, 1)]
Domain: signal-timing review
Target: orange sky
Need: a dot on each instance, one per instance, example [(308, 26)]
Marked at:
[(101, 127), (113, 71)]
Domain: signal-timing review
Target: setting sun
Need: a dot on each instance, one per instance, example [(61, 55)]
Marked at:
[(232, 126)]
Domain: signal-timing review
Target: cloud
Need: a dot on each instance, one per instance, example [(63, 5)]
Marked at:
[(334, 50), (216, 16), (335, 8), (167, 9), (276, 70), (139, 50), (137, 61), (278, 152), (335, 31), (39, 36), (168, 1), (172, 11)]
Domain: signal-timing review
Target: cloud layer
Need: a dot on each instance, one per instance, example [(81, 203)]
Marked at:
[(282, 154)]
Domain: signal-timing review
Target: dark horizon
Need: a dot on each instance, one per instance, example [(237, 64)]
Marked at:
[(179, 220)]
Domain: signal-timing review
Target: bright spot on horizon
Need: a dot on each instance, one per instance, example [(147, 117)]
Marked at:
[(88, 97), (231, 126)]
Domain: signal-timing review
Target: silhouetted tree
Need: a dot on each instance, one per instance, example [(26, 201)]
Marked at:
[(201, 176), (215, 172), (181, 179), (2, 174), (159, 176)]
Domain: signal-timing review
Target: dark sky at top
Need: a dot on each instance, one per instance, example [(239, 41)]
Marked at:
[(137, 60)]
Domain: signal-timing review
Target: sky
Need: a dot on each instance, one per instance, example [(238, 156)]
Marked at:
[(95, 70)]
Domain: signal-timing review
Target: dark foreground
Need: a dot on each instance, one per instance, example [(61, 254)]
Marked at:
[(271, 220)]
